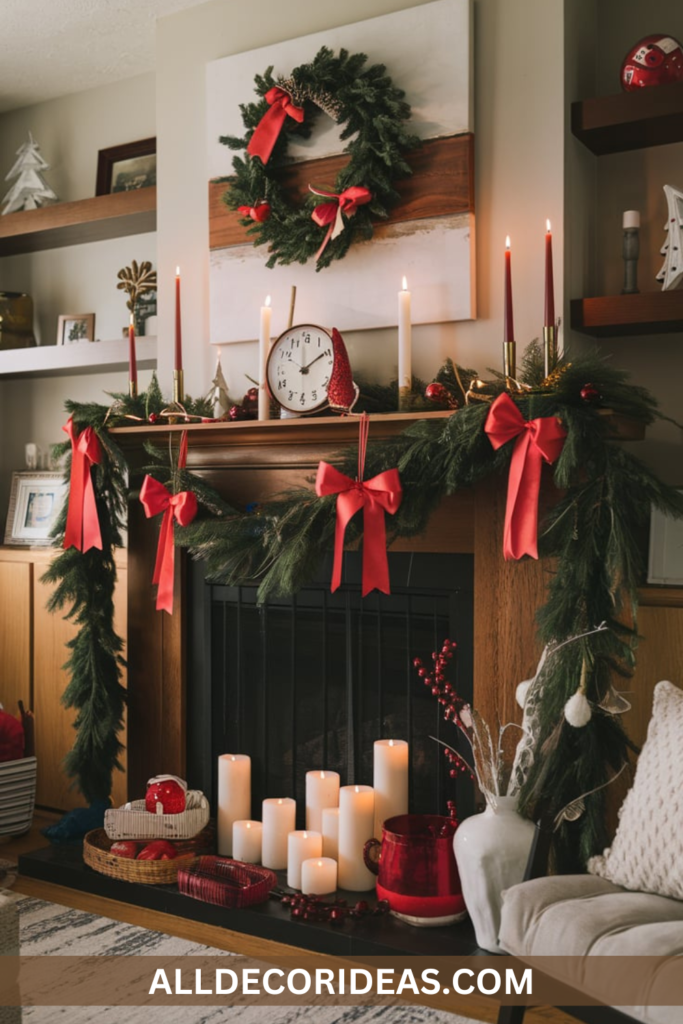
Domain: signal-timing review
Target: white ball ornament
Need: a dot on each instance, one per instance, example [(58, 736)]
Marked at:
[(577, 710), (522, 692)]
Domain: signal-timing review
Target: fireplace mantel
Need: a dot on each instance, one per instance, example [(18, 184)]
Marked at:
[(252, 461)]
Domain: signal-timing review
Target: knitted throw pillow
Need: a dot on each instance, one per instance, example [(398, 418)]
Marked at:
[(647, 852)]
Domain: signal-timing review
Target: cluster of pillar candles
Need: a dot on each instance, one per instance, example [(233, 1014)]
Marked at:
[(328, 853)]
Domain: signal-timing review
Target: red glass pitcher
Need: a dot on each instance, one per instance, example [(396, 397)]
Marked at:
[(416, 869)]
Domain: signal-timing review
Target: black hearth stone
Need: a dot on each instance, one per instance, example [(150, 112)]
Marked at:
[(369, 936)]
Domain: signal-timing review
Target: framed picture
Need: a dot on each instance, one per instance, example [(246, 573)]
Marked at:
[(35, 502), (665, 564), (126, 168), (75, 327)]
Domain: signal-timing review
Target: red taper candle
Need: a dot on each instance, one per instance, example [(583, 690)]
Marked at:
[(132, 360), (549, 284), (509, 324), (178, 328)]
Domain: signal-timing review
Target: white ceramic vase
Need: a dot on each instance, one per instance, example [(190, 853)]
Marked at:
[(491, 850)]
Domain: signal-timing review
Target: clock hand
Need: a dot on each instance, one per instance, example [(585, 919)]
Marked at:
[(307, 368)]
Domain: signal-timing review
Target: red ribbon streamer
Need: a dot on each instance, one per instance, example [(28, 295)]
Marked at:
[(182, 507), (538, 439), (346, 202), (269, 127), (82, 522), (381, 494)]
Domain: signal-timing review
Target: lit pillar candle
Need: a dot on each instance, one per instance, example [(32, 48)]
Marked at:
[(318, 876), (246, 841), (356, 825), (405, 372), (300, 847), (330, 828), (322, 790), (509, 348), (549, 283), (178, 324), (234, 796), (390, 781), (263, 350), (279, 819), (132, 360)]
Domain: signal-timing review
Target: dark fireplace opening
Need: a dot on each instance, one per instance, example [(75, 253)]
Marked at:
[(310, 682)]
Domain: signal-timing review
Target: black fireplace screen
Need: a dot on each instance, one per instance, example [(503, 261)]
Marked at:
[(311, 681)]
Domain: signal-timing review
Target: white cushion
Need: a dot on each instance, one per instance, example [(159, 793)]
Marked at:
[(647, 852)]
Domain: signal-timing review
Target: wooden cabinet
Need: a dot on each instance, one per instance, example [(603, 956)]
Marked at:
[(32, 653)]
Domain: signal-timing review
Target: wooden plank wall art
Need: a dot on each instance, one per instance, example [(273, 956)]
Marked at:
[(429, 235)]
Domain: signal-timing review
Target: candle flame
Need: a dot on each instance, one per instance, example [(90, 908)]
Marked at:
[(547, 226), (357, 789), (177, 271), (405, 284), (322, 775), (507, 241), (232, 757), (248, 824), (279, 801), (305, 835), (267, 302), (320, 863), (391, 743)]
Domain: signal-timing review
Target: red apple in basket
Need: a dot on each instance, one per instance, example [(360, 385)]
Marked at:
[(160, 849), (125, 848), (165, 795)]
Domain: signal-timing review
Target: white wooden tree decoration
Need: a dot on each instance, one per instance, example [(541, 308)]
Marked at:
[(671, 273), (30, 190)]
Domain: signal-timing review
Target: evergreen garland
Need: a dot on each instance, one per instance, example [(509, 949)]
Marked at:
[(373, 113), (591, 538)]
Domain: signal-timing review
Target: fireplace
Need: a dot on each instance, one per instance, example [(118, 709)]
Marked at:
[(310, 682)]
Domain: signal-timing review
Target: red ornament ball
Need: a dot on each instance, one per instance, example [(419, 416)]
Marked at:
[(236, 412), (167, 790), (436, 393), (153, 417), (589, 394), (655, 60)]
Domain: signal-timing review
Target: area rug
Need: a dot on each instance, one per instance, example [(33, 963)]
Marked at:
[(48, 929)]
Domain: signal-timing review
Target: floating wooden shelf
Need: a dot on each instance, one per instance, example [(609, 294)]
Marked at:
[(630, 120), (613, 316), (70, 360), (86, 220)]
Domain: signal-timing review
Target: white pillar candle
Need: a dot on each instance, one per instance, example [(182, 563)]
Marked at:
[(279, 819), (322, 790), (330, 818), (246, 841), (356, 824), (263, 350), (631, 219), (318, 876), (390, 781), (405, 371), (300, 847), (234, 796)]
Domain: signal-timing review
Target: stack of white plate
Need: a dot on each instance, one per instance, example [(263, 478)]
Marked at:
[(17, 795)]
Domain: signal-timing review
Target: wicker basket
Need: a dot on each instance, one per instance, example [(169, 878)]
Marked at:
[(134, 822), (96, 854), (228, 883)]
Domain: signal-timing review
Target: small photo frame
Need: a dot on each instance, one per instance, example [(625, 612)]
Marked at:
[(35, 502), (127, 168), (73, 328)]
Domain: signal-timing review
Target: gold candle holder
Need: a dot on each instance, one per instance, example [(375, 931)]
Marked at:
[(549, 349), (178, 387), (133, 388), (404, 396), (510, 361)]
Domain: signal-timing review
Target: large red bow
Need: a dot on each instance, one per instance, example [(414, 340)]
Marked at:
[(538, 439), (181, 507), (346, 202), (82, 523), (269, 127), (381, 494)]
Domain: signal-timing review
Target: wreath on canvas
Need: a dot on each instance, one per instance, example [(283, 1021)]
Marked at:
[(373, 115)]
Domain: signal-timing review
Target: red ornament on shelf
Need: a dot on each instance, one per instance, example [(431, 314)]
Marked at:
[(436, 392), (167, 791), (655, 60), (589, 394)]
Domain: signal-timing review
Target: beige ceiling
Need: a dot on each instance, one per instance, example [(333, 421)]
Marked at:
[(49, 48)]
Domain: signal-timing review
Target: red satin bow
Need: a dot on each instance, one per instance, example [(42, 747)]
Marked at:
[(82, 523), (381, 494), (258, 213), (346, 202), (181, 507), (537, 439), (269, 127)]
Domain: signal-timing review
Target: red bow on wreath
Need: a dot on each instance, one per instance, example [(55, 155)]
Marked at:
[(82, 523), (346, 202), (258, 213), (381, 494), (537, 440), (269, 127), (182, 507)]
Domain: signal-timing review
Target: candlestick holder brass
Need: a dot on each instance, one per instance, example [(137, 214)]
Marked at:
[(404, 394), (510, 362), (133, 388), (178, 386), (549, 349)]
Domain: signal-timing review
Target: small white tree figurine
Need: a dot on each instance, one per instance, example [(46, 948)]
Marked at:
[(671, 273), (30, 190)]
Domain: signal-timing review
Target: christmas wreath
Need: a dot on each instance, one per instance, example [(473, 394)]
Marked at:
[(372, 113)]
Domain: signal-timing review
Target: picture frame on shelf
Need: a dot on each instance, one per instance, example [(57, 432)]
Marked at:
[(127, 168), (35, 502), (665, 561), (73, 328)]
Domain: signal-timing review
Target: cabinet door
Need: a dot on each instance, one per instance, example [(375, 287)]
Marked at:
[(15, 634), (54, 722)]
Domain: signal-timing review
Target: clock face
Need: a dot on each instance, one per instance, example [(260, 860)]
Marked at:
[(299, 368)]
